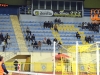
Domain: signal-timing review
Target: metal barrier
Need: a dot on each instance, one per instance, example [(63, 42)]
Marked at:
[(48, 67)]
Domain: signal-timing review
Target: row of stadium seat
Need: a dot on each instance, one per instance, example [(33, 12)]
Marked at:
[(43, 22), (6, 27)]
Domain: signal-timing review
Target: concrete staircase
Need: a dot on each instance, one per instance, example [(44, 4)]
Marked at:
[(7, 55), (56, 35), (18, 33)]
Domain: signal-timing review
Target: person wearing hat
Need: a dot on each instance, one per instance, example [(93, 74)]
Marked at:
[(16, 64), (2, 67)]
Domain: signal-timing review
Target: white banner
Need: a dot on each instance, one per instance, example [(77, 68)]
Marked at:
[(43, 13)]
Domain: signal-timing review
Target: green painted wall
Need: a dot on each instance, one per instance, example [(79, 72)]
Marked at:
[(14, 2), (92, 3)]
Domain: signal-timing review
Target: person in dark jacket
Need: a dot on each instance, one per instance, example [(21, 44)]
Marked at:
[(89, 38), (78, 35), (16, 64), (92, 38), (48, 41), (56, 20), (33, 37), (28, 31), (35, 45), (45, 24), (86, 39), (3, 67), (51, 24), (1, 38)]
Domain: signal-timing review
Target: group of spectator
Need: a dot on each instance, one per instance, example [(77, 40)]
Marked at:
[(57, 21), (91, 26), (48, 24), (48, 41), (89, 39), (5, 41), (37, 44), (34, 43)]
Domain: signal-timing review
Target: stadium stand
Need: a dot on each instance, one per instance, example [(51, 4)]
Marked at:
[(66, 34), (88, 32), (6, 27), (39, 32), (33, 44)]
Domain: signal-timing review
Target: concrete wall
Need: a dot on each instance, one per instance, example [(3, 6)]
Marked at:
[(64, 19), (41, 57)]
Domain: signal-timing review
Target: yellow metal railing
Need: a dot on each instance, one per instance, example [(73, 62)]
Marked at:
[(48, 67)]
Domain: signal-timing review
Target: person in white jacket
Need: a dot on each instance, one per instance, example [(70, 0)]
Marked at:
[(3, 45), (9, 42)]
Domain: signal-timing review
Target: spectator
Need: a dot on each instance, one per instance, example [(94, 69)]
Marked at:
[(78, 35), (28, 39), (6, 42), (82, 25), (48, 25), (56, 21), (85, 25), (32, 42), (59, 44), (89, 38), (97, 29), (55, 28), (45, 24), (3, 45), (28, 30), (92, 38), (39, 44), (86, 39), (6, 37), (0, 38), (33, 37), (16, 64), (55, 40), (59, 21), (35, 45), (51, 24), (48, 41), (9, 42), (44, 40), (92, 26), (89, 26)]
